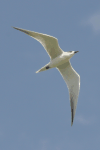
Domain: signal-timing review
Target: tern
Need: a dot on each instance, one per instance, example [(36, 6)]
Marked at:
[(60, 60)]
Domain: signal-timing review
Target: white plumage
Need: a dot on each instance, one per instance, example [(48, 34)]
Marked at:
[(60, 60)]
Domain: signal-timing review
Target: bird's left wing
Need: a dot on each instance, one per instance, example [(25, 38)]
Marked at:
[(72, 80), (50, 43)]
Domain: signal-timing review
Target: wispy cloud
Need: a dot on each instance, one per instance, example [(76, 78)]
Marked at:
[(93, 21), (83, 120)]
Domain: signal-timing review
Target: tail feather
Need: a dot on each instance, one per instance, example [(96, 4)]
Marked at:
[(37, 71), (43, 68)]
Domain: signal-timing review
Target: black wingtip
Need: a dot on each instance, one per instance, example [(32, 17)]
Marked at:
[(72, 117), (13, 27), (72, 111), (16, 28), (22, 30)]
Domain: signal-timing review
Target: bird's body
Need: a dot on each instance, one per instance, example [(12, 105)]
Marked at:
[(63, 58), (60, 60)]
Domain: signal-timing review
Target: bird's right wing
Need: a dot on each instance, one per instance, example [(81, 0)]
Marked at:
[(50, 43), (72, 80)]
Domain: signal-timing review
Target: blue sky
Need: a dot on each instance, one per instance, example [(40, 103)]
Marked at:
[(34, 108)]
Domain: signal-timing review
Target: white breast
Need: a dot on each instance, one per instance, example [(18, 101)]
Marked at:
[(61, 59)]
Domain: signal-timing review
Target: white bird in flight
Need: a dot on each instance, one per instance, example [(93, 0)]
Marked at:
[(60, 60)]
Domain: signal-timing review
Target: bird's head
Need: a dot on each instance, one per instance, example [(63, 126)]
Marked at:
[(73, 52)]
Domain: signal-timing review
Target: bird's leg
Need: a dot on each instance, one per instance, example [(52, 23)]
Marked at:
[(47, 67)]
